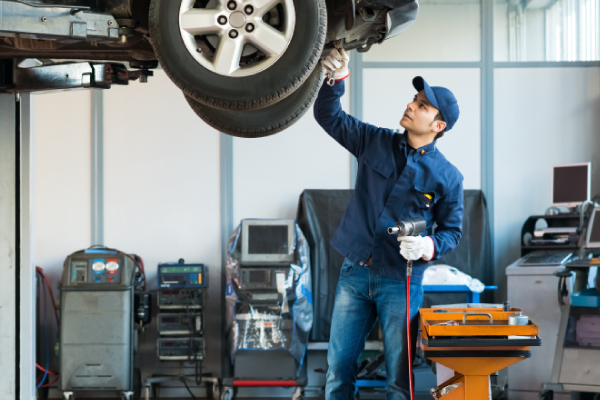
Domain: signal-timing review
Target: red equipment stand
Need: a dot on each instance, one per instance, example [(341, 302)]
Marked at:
[(230, 384)]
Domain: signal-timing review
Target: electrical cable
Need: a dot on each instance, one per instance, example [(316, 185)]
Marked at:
[(143, 270), (410, 370), (187, 387), (45, 341), (193, 354), (198, 372), (42, 369), (50, 384), (47, 282), (244, 298)]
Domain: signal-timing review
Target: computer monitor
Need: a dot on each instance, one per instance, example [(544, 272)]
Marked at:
[(571, 184), (593, 232), (267, 241)]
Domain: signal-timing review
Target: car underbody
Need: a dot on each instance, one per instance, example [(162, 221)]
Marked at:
[(47, 28)]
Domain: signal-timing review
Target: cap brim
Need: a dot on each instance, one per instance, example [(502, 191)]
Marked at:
[(420, 84)]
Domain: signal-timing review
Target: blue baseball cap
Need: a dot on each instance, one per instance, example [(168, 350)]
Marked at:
[(441, 98)]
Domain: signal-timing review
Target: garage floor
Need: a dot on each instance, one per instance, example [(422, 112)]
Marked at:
[(424, 380)]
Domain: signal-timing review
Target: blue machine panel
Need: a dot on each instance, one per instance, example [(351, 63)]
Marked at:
[(179, 276)]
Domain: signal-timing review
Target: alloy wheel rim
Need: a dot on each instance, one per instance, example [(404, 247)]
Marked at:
[(237, 38)]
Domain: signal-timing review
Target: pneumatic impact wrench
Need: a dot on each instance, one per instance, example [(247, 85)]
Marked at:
[(409, 227)]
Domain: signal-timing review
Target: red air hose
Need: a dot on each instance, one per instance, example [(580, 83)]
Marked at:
[(410, 371)]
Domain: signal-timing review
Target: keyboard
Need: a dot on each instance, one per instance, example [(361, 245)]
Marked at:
[(538, 258)]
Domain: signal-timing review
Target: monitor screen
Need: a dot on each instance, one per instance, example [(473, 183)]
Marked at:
[(257, 276), (268, 239), (570, 184), (594, 229)]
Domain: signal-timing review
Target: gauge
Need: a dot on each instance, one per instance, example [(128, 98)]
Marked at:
[(112, 267), (98, 266)]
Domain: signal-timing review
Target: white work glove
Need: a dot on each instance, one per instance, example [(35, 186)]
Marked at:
[(416, 247), (336, 65)]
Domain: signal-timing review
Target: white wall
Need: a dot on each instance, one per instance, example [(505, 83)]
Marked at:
[(542, 117), (269, 174), (445, 30), (161, 176), (387, 91), (62, 165)]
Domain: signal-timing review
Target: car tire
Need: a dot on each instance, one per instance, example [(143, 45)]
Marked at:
[(219, 88), (263, 121)]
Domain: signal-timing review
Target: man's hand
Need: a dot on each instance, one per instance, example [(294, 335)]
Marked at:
[(336, 65), (416, 247)]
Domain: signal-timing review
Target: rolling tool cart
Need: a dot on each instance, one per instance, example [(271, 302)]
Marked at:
[(180, 323), (269, 306), (474, 344)]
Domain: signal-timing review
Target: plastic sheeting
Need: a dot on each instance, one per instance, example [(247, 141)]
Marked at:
[(446, 275), (319, 215), (282, 324)]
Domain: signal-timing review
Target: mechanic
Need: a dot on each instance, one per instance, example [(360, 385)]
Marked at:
[(399, 176)]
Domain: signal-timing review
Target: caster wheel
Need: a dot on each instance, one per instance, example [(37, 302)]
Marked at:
[(227, 393), (216, 392), (547, 395), (298, 394), (146, 392)]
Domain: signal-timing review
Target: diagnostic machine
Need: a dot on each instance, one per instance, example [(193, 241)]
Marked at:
[(97, 323)]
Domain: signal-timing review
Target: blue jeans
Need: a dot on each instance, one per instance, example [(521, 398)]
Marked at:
[(362, 297)]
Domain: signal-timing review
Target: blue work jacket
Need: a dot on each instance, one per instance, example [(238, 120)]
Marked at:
[(385, 193)]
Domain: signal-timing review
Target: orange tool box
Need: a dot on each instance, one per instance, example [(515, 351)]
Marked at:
[(474, 342)]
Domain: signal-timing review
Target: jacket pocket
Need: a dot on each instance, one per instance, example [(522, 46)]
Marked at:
[(425, 198), (384, 169), (375, 180)]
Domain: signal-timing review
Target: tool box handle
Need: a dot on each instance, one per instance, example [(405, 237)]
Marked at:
[(484, 314)]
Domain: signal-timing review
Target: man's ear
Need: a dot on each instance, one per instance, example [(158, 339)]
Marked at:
[(439, 126)]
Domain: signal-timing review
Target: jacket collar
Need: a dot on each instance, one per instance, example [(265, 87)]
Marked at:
[(429, 148)]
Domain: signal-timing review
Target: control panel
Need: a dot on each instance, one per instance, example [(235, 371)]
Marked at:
[(177, 276), (179, 324), (96, 270), (179, 299), (180, 349), (263, 278)]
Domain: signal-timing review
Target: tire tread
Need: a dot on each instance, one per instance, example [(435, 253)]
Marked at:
[(270, 128)]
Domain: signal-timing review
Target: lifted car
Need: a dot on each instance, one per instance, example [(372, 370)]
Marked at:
[(248, 68)]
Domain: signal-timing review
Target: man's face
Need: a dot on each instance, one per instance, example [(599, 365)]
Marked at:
[(419, 116)]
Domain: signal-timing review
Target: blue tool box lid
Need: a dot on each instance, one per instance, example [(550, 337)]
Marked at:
[(586, 298)]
